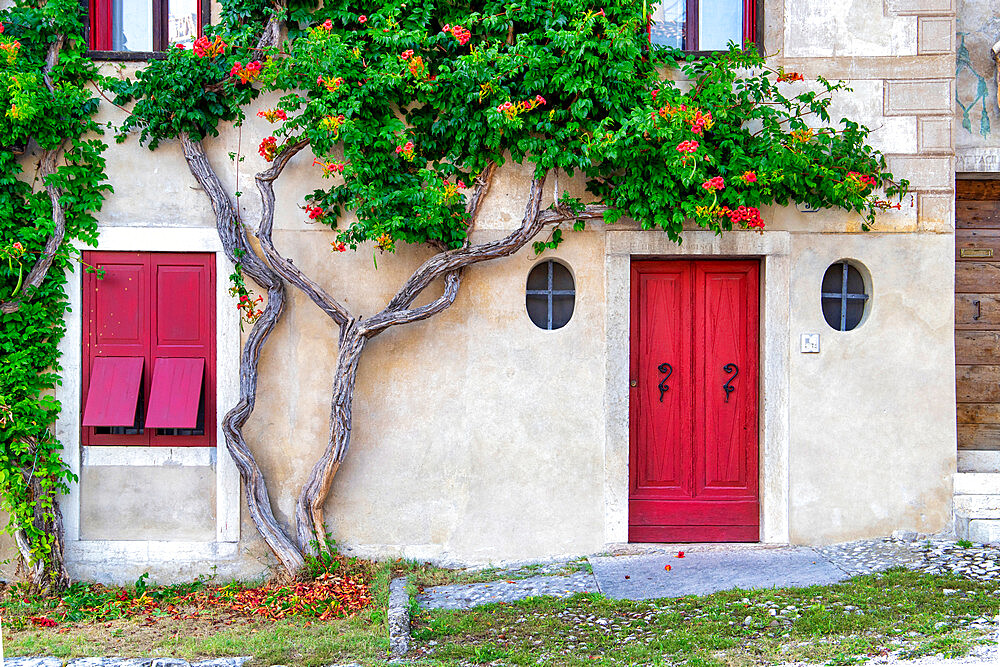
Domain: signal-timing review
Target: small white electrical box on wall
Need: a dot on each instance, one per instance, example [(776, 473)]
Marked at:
[(809, 343)]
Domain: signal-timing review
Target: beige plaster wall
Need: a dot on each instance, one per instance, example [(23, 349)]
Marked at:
[(872, 416), (480, 438)]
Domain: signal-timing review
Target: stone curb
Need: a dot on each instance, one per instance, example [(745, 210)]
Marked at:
[(123, 662), (399, 618)]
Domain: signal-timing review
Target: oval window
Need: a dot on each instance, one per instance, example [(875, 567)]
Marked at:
[(550, 295), (844, 296)]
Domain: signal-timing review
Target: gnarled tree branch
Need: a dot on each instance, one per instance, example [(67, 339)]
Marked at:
[(284, 267), (234, 239)]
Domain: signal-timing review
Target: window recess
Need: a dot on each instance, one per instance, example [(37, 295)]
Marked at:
[(704, 25), (135, 29)]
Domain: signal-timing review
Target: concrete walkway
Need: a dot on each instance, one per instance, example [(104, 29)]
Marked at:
[(640, 573), (707, 569)]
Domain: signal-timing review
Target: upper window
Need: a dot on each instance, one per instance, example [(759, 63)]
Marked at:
[(550, 295), (844, 296), (149, 349), (703, 25), (142, 26)]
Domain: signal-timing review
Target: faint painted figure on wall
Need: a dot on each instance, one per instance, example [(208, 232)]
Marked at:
[(964, 65)]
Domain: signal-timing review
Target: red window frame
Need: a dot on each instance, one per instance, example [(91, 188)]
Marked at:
[(156, 300), (99, 25), (751, 30)]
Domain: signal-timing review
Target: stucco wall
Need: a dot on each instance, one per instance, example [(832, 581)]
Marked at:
[(479, 437)]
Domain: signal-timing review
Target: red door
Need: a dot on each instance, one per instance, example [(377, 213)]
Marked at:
[(693, 402)]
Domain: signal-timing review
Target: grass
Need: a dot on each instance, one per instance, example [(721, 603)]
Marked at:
[(92, 620), (898, 611)]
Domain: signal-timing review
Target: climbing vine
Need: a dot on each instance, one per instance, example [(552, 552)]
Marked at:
[(46, 109), (409, 111)]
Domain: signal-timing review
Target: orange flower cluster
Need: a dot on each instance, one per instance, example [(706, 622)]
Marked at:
[(272, 115), (10, 50), (330, 84), (332, 124), (512, 109), (246, 73), (205, 49), (329, 168)]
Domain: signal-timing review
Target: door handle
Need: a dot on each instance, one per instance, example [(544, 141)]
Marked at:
[(979, 310), (663, 386), (726, 387)]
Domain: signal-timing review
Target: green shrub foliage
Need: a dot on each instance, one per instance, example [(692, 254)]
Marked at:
[(35, 118)]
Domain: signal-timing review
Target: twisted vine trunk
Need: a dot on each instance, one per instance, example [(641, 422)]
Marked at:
[(310, 524), (42, 573), (238, 249)]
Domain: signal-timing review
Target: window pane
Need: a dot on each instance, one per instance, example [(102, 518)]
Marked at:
[(538, 277), (562, 279), (538, 310), (855, 309), (668, 23), (562, 309), (132, 25), (831, 312), (833, 279), (182, 22), (720, 21)]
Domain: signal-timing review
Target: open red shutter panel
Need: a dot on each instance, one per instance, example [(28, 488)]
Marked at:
[(114, 391), (176, 391)]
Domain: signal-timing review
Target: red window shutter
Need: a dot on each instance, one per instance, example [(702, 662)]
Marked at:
[(100, 25), (750, 22), (182, 329), (176, 392), (113, 393), (115, 324), (153, 306)]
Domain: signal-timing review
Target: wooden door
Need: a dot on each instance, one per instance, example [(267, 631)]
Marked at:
[(693, 402), (977, 314)]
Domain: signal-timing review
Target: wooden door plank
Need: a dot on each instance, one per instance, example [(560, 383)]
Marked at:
[(977, 312), (977, 384), (977, 347), (979, 436), (968, 189), (977, 214), (978, 413), (694, 533), (977, 277), (978, 245)]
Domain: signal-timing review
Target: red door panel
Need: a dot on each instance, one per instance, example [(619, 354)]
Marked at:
[(693, 456), (664, 471)]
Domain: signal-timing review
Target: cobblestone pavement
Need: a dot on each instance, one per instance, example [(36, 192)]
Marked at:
[(916, 552)]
